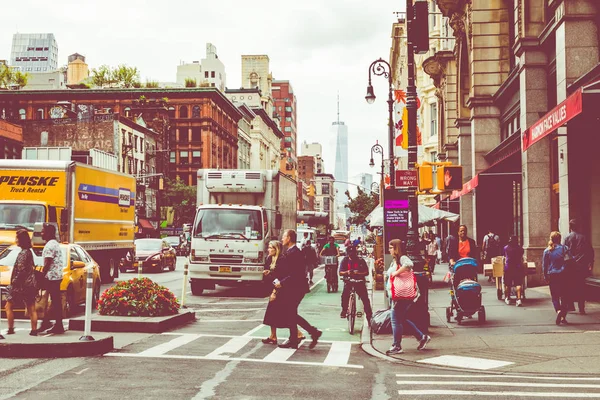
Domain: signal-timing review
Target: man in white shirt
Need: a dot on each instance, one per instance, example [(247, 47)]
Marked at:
[(53, 270)]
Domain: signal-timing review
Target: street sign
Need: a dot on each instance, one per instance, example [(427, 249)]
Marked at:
[(405, 178), (395, 215)]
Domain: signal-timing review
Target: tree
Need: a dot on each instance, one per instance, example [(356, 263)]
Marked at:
[(190, 82), (151, 84), (101, 76), (121, 76), (361, 206), (126, 76), (10, 78), (182, 198)]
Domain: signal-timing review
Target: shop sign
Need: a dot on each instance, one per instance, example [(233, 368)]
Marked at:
[(556, 118)]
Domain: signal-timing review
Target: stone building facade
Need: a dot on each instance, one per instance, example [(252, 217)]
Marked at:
[(11, 140), (513, 62)]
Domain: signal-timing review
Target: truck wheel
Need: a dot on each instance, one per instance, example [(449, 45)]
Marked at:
[(197, 287)]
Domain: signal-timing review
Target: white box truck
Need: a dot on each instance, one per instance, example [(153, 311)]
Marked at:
[(238, 213)]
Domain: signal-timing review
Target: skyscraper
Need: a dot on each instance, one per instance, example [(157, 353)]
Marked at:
[(34, 52), (341, 163)]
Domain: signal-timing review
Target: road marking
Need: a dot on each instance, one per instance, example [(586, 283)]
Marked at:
[(230, 320), (229, 309), (315, 285), (247, 334), (466, 362), (81, 372), (504, 384), (339, 354), (232, 303), (251, 331), (495, 394), (222, 358), (168, 346), (232, 346), (279, 355), (554, 378)]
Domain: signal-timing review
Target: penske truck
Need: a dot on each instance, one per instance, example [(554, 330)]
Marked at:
[(238, 213), (93, 207)]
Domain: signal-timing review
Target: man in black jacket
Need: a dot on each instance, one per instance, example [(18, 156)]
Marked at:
[(294, 286), (583, 253)]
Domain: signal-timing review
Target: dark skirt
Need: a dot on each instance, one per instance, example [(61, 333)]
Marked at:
[(21, 296), (283, 311)]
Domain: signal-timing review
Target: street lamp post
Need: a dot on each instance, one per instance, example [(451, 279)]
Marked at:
[(381, 67), (377, 148)]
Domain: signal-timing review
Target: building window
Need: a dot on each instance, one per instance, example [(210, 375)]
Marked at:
[(196, 112), (184, 135), (325, 188), (434, 119), (22, 114), (40, 113), (326, 204), (288, 119), (184, 158), (288, 109), (212, 74), (206, 74), (172, 158), (127, 112), (287, 129), (171, 112), (183, 112), (287, 139), (196, 158), (196, 135)]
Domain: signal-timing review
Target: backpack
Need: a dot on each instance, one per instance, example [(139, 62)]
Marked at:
[(493, 246)]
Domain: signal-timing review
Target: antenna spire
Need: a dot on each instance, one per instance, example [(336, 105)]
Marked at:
[(338, 107)]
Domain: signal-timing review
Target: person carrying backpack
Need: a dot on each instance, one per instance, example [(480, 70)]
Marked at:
[(491, 248), (311, 260)]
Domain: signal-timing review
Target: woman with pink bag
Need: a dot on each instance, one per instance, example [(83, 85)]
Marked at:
[(403, 291)]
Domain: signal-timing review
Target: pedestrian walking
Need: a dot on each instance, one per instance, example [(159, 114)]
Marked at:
[(53, 270), (463, 247), (275, 315), (293, 286), (432, 253), (438, 241), (403, 291), (554, 263), (23, 288), (583, 255), (490, 248), (311, 260), (514, 271)]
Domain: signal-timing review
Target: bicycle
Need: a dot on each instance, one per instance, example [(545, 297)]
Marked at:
[(351, 313), (331, 273)]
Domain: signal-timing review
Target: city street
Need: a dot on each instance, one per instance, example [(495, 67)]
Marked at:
[(220, 356)]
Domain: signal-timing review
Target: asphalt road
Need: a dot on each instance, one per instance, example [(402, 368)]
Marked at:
[(221, 356)]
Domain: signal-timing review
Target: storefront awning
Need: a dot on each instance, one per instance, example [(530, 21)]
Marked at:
[(557, 117)]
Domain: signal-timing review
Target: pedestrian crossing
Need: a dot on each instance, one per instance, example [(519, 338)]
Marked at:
[(248, 348), (501, 386)]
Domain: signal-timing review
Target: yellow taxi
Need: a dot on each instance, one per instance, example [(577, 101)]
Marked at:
[(77, 263)]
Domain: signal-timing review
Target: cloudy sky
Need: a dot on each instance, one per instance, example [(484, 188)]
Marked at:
[(320, 46)]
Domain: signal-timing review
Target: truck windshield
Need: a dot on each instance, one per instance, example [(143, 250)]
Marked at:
[(19, 216), (228, 223)]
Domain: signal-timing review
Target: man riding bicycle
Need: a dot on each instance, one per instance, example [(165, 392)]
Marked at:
[(330, 249), (355, 268)]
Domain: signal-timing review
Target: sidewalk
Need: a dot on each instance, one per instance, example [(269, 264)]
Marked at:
[(513, 339)]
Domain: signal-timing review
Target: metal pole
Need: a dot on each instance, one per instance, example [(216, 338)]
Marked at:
[(1, 289), (412, 244), (391, 133), (184, 288), (87, 327)]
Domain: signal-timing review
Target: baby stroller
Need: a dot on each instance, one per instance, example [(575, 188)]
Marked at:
[(465, 291)]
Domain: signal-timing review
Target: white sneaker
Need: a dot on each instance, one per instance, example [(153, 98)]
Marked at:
[(519, 302), (507, 301)]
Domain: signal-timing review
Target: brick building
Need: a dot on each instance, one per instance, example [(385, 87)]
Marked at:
[(285, 106), (198, 126), (11, 140)]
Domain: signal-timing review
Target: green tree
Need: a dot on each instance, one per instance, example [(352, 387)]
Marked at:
[(151, 84), (182, 198), (361, 206), (126, 76), (101, 76), (120, 76), (10, 78), (190, 82)]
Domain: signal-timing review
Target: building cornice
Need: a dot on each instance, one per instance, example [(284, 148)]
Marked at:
[(259, 111)]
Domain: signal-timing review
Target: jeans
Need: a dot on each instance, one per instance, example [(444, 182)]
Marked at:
[(361, 291), (399, 310), (53, 288), (558, 291)]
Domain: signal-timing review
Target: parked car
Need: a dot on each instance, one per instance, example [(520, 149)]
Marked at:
[(156, 254), (77, 261), (175, 242)]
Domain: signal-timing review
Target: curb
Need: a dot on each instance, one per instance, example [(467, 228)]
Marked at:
[(57, 350), (104, 323)]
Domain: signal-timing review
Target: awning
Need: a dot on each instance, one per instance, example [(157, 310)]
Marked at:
[(426, 216), (145, 224), (557, 117)]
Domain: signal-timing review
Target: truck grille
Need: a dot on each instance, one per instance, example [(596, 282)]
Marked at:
[(225, 259)]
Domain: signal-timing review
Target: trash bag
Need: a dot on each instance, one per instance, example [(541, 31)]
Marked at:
[(381, 322)]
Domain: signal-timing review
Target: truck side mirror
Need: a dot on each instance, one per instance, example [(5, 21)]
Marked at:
[(278, 220)]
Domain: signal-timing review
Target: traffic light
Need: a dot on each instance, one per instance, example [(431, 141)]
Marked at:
[(310, 191), (449, 177), (419, 31), (425, 177)]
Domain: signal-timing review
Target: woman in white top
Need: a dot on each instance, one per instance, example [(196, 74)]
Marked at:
[(401, 264)]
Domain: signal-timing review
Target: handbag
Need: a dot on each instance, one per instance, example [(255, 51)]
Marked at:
[(404, 286)]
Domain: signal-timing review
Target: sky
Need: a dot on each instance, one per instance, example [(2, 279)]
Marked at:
[(321, 46)]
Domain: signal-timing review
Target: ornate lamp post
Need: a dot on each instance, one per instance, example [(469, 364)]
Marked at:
[(381, 67)]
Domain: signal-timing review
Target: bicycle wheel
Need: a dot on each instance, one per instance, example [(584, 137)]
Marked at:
[(351, 312)]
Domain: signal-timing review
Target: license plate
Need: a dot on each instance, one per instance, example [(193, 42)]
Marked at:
[(224, 269), (135, 264)]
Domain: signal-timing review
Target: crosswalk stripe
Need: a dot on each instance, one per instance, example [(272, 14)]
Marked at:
[(465, 362), (280, 355), (504, 384), (170, 345), (553, 378), (339, 354), (232, 346), (495, 394)]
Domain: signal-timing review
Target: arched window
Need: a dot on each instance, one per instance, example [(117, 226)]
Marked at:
[(127, 112), (196, 112), (183, 112), (22, 114), (171, 112)]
